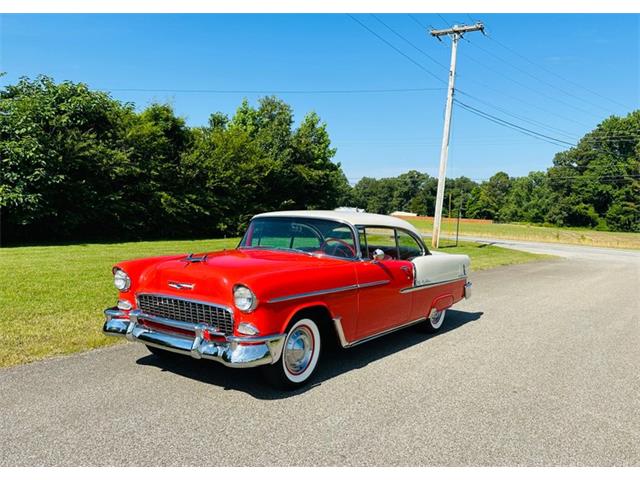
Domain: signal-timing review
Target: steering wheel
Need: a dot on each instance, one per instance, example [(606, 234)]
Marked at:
[(337, 248)]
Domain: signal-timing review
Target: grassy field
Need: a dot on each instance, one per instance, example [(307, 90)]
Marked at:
[(52, 298), (513, 231)]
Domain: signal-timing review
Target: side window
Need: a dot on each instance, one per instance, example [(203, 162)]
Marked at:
[(362, 238), (408, 246), (383, 239), (344, 234)]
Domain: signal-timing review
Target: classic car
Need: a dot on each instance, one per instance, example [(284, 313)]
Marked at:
[(297, 281)]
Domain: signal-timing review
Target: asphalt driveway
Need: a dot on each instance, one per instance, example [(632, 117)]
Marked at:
[(540, 367)]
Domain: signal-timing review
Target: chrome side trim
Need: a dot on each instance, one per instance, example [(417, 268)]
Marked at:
[(429, 285), (315, 293), (337, 323), (345, 344), (265, 338), (373, 284)]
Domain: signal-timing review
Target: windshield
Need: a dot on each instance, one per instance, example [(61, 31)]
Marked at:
[(308, 235)]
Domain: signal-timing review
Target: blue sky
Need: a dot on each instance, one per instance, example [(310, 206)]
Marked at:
[(376, 134)]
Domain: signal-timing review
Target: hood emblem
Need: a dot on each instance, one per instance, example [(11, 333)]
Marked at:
[(191, 258), (181, 286)]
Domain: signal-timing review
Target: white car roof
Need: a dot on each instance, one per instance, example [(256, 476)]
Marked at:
[(353, 218)]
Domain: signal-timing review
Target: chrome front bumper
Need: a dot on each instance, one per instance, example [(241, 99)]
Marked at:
[(467, 290), (237, 352)]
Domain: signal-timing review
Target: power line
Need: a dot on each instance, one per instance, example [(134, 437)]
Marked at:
[(446, 22), (557, 130), (267, 92), (517, 99), (472, 20), (467, 141), (524, 102), (529, 74), (419, 65), (542, 67), (535, 77), (416, 21), (524, 85), (410, 43), (513, 126), (630, 137)]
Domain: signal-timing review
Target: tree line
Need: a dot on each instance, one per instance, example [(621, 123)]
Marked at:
[(77, 164)]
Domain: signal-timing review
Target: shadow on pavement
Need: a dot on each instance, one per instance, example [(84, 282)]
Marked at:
[(333, 362)]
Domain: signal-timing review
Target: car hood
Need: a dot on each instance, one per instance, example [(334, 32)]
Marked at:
[(214, 275)]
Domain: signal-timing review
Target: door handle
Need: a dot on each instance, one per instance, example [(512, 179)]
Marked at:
[(406, 270)]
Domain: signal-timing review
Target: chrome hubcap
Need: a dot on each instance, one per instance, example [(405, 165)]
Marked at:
[(298, 350), (436, 320)]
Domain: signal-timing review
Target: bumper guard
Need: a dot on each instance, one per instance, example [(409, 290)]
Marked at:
[(207, 343)]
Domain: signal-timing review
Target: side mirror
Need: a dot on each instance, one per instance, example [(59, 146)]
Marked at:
[(378, 255)]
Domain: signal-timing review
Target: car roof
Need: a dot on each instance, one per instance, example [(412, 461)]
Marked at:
[(350, 217)]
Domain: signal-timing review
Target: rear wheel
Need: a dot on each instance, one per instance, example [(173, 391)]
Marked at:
[(299, 357), (434, 322)]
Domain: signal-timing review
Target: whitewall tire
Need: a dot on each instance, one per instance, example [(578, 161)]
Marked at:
[(299, 358), (434, 323)]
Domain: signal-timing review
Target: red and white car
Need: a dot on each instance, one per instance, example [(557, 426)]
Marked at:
[(296, 281)]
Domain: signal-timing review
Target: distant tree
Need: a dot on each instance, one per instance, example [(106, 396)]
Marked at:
[(425, 200), (488, 199), (406, 187)]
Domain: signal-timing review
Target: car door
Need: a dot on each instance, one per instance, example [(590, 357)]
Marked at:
[(381, 305)]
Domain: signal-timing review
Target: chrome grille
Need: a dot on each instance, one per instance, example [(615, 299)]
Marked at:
[(187, 311)]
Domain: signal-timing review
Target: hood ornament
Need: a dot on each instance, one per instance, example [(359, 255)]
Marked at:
[(191, 258), (181, 286)]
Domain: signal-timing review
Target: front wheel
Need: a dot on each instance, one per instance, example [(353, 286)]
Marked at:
[(434, 322), (299, 357)]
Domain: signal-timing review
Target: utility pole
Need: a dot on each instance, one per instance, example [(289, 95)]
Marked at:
[(455, 33)]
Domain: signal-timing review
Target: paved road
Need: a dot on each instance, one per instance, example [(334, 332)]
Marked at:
[(559, 249), (540, 367)]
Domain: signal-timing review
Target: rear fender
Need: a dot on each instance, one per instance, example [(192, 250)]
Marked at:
[(442, 302)]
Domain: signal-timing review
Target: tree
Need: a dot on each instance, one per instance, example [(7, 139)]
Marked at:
[(490, 197), (597, 180), (63, 158), (77, 164)]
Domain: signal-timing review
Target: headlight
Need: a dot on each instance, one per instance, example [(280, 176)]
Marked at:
[(121, 280), (244, 298)]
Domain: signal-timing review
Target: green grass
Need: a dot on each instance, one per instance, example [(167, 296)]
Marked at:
[(534, 233), (52, 298)]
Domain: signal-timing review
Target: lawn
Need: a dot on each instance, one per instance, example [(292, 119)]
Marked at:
[(534, 233), (52, 298)]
